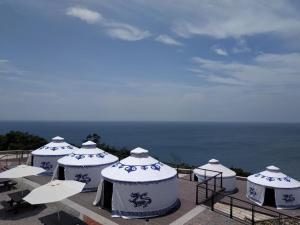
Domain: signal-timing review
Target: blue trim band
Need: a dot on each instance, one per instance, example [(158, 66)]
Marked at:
[(89, 189), (106, 164), (288, 206), (253, 199), (159, 212), (139, 182), (34, 155), (46, 174)]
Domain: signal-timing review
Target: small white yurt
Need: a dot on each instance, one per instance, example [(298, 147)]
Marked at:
[(273, 188), (46, 156), (85, 165), (138, 186), (206, 171)]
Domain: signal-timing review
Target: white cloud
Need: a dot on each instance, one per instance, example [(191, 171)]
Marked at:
[(125, 32), (220, 51), (7, 69), (266, 70), (241, 46), (166, 39), (223, 19), (84, 14), (118, 30)]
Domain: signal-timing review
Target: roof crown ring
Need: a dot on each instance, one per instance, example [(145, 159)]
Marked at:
[(89, 144), (213, 161), (58, 139), (273, 169)]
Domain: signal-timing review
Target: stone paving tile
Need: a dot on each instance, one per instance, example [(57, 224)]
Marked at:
[(209, 217)]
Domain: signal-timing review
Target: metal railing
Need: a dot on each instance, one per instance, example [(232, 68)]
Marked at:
[(247, 212), (13, 157), (187, 171), (209, 181)]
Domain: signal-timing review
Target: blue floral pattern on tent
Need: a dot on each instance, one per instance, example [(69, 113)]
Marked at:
[(83, 178), (252, 191), (57, 148), (82, 156), (46, 165), (131, 168), (140, 200), (270, 179), (288, 198)]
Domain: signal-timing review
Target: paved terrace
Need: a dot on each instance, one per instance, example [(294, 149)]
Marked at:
[(81, 206)]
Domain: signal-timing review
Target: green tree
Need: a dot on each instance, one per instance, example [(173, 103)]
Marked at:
[(17, 140), (93, 137), (119, 152), (240, 172)]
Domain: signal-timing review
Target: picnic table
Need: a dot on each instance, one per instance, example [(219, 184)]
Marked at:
[(16, 200), (62, 218), (7, 183), (17, 197)]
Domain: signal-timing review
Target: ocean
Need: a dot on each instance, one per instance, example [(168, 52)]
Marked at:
[(251, 146)]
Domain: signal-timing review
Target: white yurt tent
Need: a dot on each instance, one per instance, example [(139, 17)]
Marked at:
[(85, 165), (272, 187), (207, 171), (138, 186), (46, 156)]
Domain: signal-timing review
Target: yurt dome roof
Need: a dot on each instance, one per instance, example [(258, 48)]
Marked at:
[(273, 177), (139, 167), (56, 147), (88, 155), (214, 165)]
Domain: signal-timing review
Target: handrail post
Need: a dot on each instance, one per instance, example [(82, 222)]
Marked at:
[(231, 207), (221, 180), (252, 220), (197, 202), (204, 174), (279, 218), (206, 190), (212, 201), (215, 188), (177, 171), (191, 174)]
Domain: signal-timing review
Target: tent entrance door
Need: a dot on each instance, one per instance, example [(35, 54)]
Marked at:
[(269, 197), (61, 173), (107, 194)]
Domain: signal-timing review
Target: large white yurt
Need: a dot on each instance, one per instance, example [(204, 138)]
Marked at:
[(274, 188), (206, 171), (138, 186), (85, 165), (47, 155)]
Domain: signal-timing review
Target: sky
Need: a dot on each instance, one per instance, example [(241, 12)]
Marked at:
[(173, 60)]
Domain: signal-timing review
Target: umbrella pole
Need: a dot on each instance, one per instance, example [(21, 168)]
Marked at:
[(21, 186), (58, 216)]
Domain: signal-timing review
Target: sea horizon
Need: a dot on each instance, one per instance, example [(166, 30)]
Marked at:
[(158, 121), (250, 146)]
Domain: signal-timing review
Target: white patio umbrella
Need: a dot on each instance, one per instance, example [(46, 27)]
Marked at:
[(54, 191), (21, 171)]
